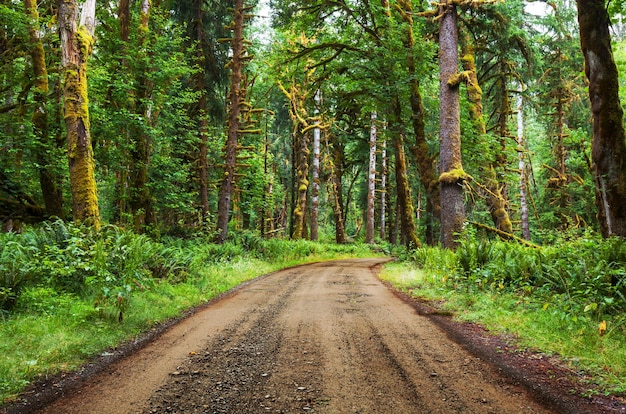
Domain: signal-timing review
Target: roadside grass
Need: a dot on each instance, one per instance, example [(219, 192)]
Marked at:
[(50, 331), (535, 322)]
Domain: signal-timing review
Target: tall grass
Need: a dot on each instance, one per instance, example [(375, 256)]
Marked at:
[(555, 298)]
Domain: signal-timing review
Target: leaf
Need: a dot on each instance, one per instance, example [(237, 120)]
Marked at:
[(591, 306)]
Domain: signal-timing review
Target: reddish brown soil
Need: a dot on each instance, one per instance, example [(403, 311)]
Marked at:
[(325, 338)]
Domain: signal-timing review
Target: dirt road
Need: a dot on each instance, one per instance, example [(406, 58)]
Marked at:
[(323, 338)]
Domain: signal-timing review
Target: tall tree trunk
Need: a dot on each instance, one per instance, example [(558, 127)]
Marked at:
[(203, 124), (496, 202), (76, 46), (425, 160), (371, 184), (230, 150), (522, 167), (452, 174), (383, 190), (48, 180), (407, 220), (608, 144), (315, 175), (140, 196)]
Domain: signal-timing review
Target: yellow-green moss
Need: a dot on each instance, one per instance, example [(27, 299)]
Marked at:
[(453, 176)]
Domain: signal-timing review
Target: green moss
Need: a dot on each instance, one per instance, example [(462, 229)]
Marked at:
[(453, 176)]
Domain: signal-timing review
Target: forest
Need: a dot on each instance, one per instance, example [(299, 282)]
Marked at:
[(145, 141)]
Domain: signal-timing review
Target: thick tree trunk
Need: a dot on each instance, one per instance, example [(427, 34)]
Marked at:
[(48, 180), (608, 144), (371, 184), (76, 46), (230, 150), (496, 202), (452, 174)]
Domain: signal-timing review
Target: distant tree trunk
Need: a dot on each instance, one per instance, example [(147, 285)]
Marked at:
[(452, 174), (48, 180), (336, 177), (608, 144), (315, 185), (383, 190), (202, 118), (407, 220), (522, 168), (496, 202), (302, 157), (230, 151), (140, 201), (371, 184), (76, 46)]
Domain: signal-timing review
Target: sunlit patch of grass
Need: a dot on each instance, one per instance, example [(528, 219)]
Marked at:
[(533, 323)]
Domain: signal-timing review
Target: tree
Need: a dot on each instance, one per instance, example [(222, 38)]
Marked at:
[(76, 45), (452, 173), (230, 149), (609, 141), (371, 183), (49, 181)]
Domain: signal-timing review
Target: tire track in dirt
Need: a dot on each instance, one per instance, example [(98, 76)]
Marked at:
[(325, 338)]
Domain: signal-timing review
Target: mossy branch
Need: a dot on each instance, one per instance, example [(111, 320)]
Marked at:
[(504, 234)]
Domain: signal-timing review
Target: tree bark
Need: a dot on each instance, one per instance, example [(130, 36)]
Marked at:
[(407, 220), (608, 144), (522, 168), (315, 175), (48, 180), (76, 46), (230, 150), (496, 203), (371, 183), (336, 176), (202, 116), (383, 190), (425, 160), (452, 174)]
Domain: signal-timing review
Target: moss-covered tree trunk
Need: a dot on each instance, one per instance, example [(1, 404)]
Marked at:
[(48, 180), (230, 149), (302, 170), (496, 203), (76, 46), (336, 179), (452, 174), (315, 174), (383, 190), (425, 160), (608, 144), (406, 209)]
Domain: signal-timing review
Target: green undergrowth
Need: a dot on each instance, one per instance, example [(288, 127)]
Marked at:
[(68, 294), (553, 299)]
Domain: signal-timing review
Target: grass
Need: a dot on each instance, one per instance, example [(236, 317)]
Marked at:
[(537, 324), (55, 332)]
